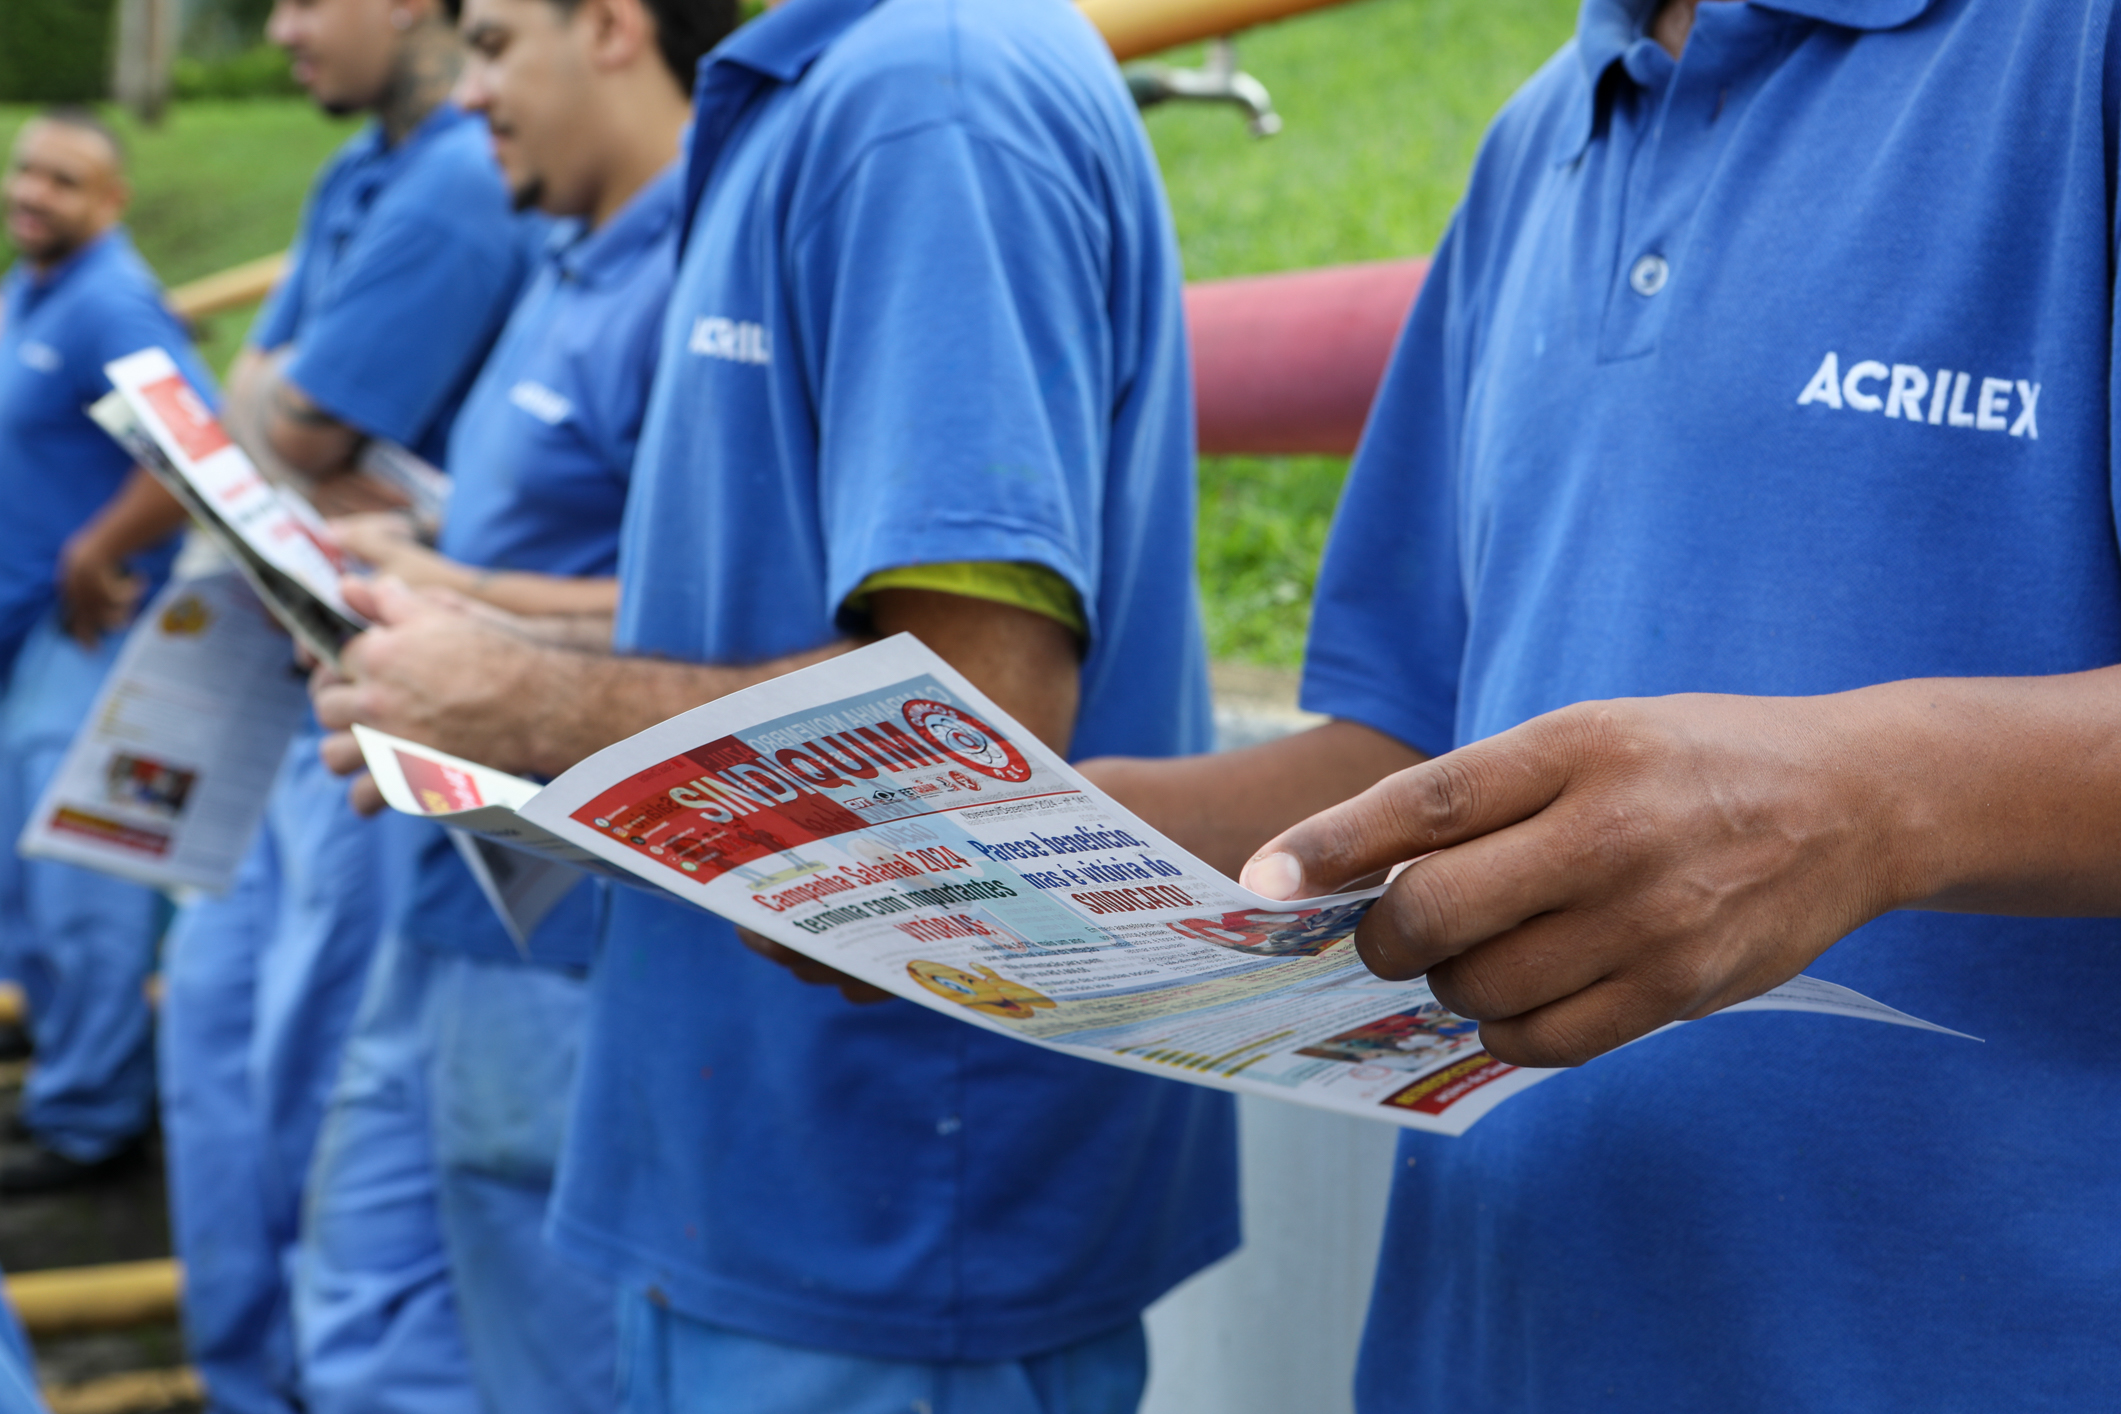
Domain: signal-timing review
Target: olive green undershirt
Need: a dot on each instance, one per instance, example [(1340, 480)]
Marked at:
[(1022, 585)]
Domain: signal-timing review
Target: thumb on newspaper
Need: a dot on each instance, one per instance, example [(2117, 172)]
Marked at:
[(1444, 801)]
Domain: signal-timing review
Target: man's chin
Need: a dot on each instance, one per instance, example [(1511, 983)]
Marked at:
[(39, 249), (529, 195)]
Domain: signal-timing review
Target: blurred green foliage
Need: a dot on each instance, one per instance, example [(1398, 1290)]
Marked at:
[(55, 51), (261, 71)]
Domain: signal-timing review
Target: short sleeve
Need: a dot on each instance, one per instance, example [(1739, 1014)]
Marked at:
[(410, 310), (281, 313), (1388, 624), (951, 308)]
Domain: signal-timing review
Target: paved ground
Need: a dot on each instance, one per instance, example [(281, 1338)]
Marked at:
[(123, 1219)]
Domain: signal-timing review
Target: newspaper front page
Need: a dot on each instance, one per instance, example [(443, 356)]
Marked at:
[(167, 779), (879, 814)]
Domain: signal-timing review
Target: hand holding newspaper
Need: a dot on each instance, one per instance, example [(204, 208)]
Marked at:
[(877, 813)]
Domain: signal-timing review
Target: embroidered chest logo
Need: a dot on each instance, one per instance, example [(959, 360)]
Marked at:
[(41, 357), (733, 340), (1946, 398), (540, 402)]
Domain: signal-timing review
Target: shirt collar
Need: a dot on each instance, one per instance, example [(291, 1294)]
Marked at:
[(777, 47), (590, 256), (785, 41), (1606, 29)]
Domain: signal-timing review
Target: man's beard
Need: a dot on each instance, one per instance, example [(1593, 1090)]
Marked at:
[(49, 251)]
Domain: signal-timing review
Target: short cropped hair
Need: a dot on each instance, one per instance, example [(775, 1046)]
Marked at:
[(74, 115), (684, 29)]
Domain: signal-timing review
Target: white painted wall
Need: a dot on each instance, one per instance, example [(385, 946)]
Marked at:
[(1274, 1328)]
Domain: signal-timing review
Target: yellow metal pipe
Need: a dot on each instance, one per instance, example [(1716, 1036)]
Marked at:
[(110, 1297), (230, 289), (1137, 27)]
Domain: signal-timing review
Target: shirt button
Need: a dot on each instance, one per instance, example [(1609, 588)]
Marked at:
[(1649, 275)]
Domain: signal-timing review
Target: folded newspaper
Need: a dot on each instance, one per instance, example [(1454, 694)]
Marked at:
[(273, 535), (877, 813), (165, 782)]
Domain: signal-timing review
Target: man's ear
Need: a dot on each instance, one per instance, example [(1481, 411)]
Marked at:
[(620, 32)]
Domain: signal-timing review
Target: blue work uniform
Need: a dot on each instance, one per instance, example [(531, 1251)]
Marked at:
[(424, 1250), (406, 264), (1783, 369), (928, 313), (81, 942)]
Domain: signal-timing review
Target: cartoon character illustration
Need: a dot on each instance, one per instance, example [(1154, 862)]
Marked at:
[(984, 991), (1298, 933), (186, 617)]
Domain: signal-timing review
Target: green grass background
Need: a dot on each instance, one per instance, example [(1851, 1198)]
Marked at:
[(1383, 104)]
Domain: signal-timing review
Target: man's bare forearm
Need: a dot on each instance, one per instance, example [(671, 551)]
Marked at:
[(2004, 793), (290, 438), (142, 514), (584, 633), (1225, 806), (582, 702)]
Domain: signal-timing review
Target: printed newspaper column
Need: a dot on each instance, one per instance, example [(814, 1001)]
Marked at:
[(167, 779), (877, 813)]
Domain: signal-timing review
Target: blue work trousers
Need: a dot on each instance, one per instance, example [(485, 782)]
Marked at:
[(18, 1375), (426, 1285), (260, 989), (671, 1364), (82, 943)]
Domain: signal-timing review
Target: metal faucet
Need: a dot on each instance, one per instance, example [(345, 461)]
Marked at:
[(1219, 80)]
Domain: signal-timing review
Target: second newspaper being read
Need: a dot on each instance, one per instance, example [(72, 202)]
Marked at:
[(880, 815)]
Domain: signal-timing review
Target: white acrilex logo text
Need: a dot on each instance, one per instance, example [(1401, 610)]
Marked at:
[(1949, 398), (736, 340), (540, 402)]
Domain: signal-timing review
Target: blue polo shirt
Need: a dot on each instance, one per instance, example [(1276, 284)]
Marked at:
[(540, 457), (1781, 370), (928, 312), (404, 269), (57, 468)]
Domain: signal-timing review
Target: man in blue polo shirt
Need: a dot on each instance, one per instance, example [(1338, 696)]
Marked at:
[(426, 1281), (85, 535), (405, 266), (924, 369), (1769, 355)]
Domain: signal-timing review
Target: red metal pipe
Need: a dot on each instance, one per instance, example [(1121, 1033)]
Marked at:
[(1287, 364)]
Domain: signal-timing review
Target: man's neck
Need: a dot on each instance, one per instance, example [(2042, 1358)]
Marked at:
[(1674, 22), (426, 71), (653, 138)]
